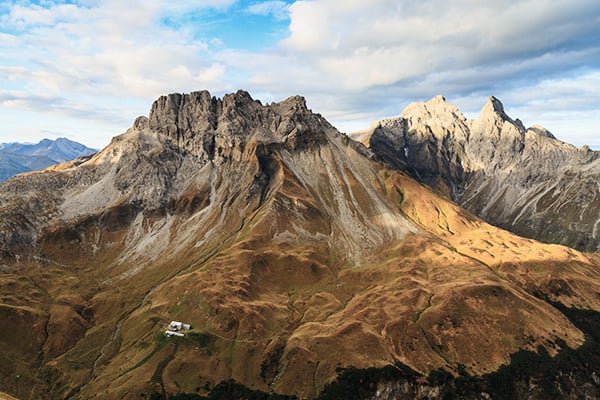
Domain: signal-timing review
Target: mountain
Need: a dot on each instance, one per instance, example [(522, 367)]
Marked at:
[(517, 178), (59, 150), (18, 157), (12, 164), (304, 267)]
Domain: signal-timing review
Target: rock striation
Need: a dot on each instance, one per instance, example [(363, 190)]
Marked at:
[(520, 179)]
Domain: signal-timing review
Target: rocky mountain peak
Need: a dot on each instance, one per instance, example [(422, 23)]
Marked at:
[(434, 112), (293, 104), (237, 102), (495, 104), (438, 99), (494, 135), (207, 126), (540, 130), (141, 123), (493, 110)]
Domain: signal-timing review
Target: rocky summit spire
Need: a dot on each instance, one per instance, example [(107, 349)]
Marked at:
[(492, 120), (493, 109), (438, 99)]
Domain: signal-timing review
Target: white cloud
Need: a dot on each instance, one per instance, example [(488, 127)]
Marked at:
[(380, 42), (22, 17), (181, 6), (15, 100), (276, 8), (108, 49)]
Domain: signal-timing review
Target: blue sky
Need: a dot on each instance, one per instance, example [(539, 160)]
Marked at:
[(86, 69)]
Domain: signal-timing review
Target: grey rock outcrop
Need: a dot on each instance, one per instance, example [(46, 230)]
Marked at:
[(521, 179), (216, 129)]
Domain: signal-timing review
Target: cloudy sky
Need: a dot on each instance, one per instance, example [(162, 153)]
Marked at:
[(85, 69)]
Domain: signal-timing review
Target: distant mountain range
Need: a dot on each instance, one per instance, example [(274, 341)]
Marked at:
[(16, 158)]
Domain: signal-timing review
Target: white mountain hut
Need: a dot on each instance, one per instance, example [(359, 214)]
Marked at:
[(178, 326)]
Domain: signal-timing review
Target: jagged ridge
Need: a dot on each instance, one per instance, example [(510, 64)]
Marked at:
[(521, 179)]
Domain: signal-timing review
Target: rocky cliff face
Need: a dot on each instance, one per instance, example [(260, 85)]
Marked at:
[(520, 179), (287, 248)]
